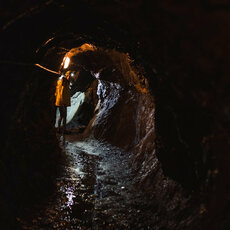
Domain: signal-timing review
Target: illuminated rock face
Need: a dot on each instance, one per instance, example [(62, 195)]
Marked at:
[(116, 117), (125, 116)]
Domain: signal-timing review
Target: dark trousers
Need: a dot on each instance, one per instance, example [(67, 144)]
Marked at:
[(63, 114)]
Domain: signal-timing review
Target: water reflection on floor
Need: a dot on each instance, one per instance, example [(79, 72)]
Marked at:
[(94, 192)]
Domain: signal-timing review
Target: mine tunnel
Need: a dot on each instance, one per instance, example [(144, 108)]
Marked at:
[(148, 126)]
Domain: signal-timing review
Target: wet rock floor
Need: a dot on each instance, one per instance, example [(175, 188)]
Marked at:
[(95, 191)]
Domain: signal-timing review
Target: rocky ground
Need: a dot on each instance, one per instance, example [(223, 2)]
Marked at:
[(96, 191)]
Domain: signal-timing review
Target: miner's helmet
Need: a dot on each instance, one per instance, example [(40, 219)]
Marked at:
[(67, 73)]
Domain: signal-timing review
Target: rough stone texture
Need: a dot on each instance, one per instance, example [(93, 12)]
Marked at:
[(184, 47)]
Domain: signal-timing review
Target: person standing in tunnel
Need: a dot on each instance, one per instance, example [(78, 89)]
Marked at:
[(62, 95)]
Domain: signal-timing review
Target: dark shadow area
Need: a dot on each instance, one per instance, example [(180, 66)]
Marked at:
[(181, 51)]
